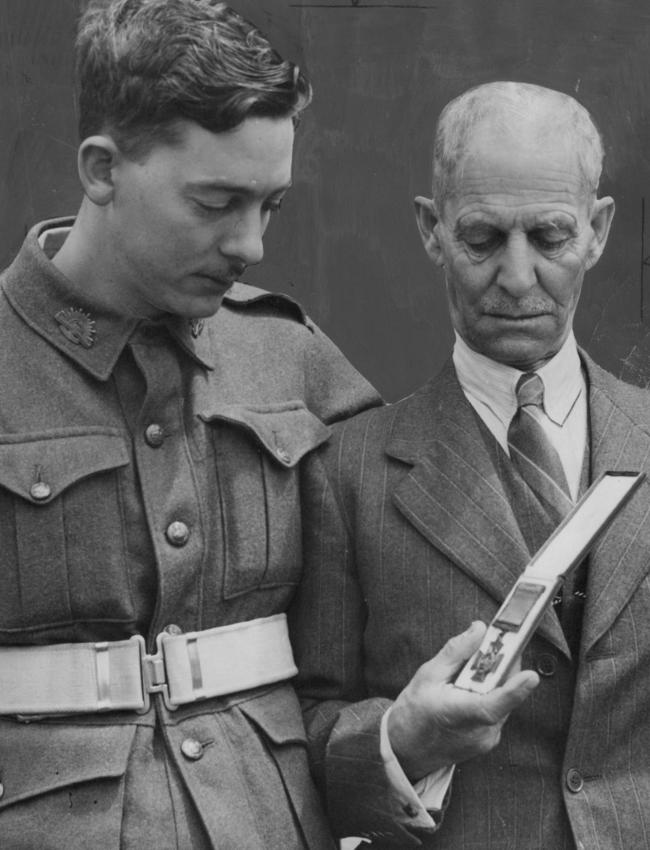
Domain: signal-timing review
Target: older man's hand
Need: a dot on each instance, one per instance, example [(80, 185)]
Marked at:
[(433, 723)]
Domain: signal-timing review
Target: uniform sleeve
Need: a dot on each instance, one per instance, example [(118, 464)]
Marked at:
[(343, 724), (335, 390)]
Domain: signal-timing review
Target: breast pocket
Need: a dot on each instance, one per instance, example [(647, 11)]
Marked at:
[(257, 450), (62, 551)]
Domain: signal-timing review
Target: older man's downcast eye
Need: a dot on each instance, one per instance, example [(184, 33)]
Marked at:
[(550, 241), (480, 242)]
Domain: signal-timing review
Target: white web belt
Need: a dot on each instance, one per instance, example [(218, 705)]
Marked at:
[(68, 678)]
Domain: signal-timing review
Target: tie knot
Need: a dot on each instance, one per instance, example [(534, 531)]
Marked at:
[(530, 390)]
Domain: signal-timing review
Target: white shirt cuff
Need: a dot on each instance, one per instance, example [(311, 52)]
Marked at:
[(422, 801)]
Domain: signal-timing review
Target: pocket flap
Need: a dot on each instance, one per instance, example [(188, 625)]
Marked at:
[(277, 713), (39, 467), (36, 758), (287, 430)]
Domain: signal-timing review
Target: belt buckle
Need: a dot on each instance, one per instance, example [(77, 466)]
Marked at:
[(153, 674), (155, 679), (186, 685)]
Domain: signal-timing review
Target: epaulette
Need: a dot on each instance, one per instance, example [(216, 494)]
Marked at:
[(242, 295)]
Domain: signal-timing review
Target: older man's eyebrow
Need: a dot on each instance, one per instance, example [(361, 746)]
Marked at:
[(474, 228), (558, 221)]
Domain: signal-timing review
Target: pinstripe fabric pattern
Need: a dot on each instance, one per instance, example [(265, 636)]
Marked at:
[(409, 536)]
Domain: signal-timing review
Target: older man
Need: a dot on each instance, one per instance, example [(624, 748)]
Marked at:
[(423, 514)]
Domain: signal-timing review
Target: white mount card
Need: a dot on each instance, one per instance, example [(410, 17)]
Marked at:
[(516, 620)]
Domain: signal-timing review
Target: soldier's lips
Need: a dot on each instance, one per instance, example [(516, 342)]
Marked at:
[(218, 280)]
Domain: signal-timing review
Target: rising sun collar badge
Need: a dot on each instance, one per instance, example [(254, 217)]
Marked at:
[(76, 326)]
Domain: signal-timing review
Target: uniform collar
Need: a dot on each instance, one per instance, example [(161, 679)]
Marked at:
[(41, 295), (494, 384)]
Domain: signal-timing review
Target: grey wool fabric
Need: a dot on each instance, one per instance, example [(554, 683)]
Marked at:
[(195, 525)]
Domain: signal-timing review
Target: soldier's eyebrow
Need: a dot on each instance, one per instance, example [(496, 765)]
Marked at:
[(217, 185)]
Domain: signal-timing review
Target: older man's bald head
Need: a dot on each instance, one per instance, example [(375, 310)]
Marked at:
[(533, 115)]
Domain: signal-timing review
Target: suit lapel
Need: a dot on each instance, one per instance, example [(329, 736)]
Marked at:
[(620, 560), (453, 494)]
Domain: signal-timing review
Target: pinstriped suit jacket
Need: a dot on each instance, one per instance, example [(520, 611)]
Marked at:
[(409, 537)]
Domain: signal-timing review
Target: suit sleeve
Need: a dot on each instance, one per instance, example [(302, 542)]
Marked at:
[(343, 724)]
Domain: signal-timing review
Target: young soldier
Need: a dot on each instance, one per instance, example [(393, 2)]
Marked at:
[(154, 415)]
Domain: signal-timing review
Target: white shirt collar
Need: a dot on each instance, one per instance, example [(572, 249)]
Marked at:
[(494, 384)]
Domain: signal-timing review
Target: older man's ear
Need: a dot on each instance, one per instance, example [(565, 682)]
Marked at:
[(427, 219), (601, 221)]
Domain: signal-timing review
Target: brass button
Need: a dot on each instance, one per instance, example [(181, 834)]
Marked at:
[(173, 629), (283, 454), (154, 435), (40, 491), (410, 810), (574, 780), (192, 749), (177, 533), (546, 665)]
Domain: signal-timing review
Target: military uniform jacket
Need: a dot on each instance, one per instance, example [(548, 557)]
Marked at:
[(148, 479), (410, 535)]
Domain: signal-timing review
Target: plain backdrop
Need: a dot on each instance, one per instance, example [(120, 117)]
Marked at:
[(345, 243)]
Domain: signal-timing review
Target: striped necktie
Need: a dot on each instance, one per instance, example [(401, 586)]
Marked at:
[(532, 453)]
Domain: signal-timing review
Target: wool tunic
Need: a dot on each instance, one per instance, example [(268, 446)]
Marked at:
[(148, 481)]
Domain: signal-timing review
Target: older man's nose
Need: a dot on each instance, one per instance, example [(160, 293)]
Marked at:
[(517, 272)]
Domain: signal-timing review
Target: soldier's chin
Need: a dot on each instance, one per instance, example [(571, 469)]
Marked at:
[(200, 307)]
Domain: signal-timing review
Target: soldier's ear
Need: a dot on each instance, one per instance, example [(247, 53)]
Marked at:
[(601, 221), (98, 156), (427, 220)]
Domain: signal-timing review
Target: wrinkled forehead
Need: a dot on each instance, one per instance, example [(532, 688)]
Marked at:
[(513, 130), (521, 161), (519, 150)]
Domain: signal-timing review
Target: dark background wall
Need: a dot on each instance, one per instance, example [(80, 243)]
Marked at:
[(345, 243)]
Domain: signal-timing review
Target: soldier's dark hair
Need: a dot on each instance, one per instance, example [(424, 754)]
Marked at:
[(144, 65)]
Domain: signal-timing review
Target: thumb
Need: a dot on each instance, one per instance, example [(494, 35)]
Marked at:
[(458, 649)]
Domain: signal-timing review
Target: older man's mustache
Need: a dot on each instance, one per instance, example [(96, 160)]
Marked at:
[(518, 308)]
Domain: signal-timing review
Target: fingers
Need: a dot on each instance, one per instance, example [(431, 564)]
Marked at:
[(489, 709), (494, 707), (512, 693), (444, 666), (458, 649)]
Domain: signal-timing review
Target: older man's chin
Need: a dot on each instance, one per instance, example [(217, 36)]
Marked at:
[(519, 351)]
